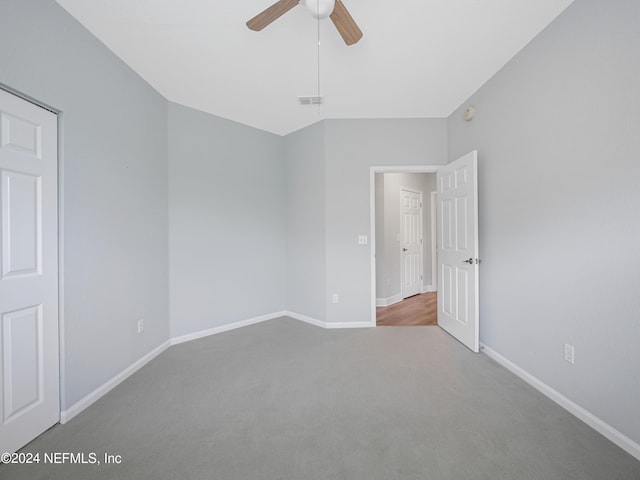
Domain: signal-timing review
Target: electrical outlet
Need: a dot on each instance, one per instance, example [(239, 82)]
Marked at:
[(363, 240), (140, 325), (335, 298), (569, 353)]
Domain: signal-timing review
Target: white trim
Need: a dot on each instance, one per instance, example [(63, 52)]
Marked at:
[(103, 389), (407, 169), (372, 222), (372, 215), (327, 325), (106, 387), (587, 417), (225, 328), (29, 99), (306, 319), (434, 240), (334, 325), (385, 302), (61, 267)]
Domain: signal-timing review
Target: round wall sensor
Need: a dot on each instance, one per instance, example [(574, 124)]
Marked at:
[(469, 113)]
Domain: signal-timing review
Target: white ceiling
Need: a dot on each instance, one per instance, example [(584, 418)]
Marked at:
[(418, 58)]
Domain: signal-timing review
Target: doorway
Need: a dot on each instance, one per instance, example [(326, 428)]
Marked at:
[(457, 246), (418, 310), (405, 260)]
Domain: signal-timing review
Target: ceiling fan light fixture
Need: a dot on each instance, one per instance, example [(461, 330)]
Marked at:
[(319, 8), (340, 16)]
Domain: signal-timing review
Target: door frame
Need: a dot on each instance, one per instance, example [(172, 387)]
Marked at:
[(434, 241), (372, 212), (60, 179)]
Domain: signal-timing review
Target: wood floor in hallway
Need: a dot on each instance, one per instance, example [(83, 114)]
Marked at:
[(413, 311)]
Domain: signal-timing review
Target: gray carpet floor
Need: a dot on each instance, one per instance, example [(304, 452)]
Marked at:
[(286, 400)]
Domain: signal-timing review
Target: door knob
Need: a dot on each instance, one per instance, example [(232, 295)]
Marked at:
[(470, 261), (405, 249)]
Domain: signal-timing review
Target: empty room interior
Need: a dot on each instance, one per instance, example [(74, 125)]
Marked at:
[(208, 206)]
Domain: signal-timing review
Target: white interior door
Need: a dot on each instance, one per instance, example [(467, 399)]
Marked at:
[(411, 242), (29, 362), (458, 260)]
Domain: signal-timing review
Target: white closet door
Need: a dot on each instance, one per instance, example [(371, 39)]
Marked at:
[(29, 359)]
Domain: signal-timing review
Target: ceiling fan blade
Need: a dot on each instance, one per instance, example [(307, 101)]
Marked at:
[(345, 24), (271, 14)]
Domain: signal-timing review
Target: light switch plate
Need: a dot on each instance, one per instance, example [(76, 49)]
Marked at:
[(569, 353)]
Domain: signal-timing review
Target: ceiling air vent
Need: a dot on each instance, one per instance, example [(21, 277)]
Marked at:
[(311, 100)]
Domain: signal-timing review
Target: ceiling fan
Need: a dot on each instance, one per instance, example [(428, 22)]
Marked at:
[(335, 9)]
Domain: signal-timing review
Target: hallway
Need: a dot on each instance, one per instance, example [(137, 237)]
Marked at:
[(413, 311)]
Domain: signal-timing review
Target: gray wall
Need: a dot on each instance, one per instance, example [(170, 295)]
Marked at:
[(388, 268), (114, 189), (557, 134), (351, 147), (304, 154), (226, 221), (558, 143)]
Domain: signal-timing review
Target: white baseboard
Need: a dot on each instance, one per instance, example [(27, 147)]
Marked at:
[(385, 302), (106, 387), (331, 325), (587, 417), (103, 389), (225, 328), (306, 319), (327, 325)]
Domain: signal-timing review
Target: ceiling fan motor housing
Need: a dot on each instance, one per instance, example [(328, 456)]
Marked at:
[(319, 8), (340, 16)]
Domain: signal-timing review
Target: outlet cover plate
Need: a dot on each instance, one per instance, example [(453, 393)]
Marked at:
[(569, 353)]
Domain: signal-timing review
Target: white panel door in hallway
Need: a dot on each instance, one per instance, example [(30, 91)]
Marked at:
[(411, 242), (29, 361), (458, 250)]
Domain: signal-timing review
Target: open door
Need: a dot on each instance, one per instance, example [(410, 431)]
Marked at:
[(458, 260)]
